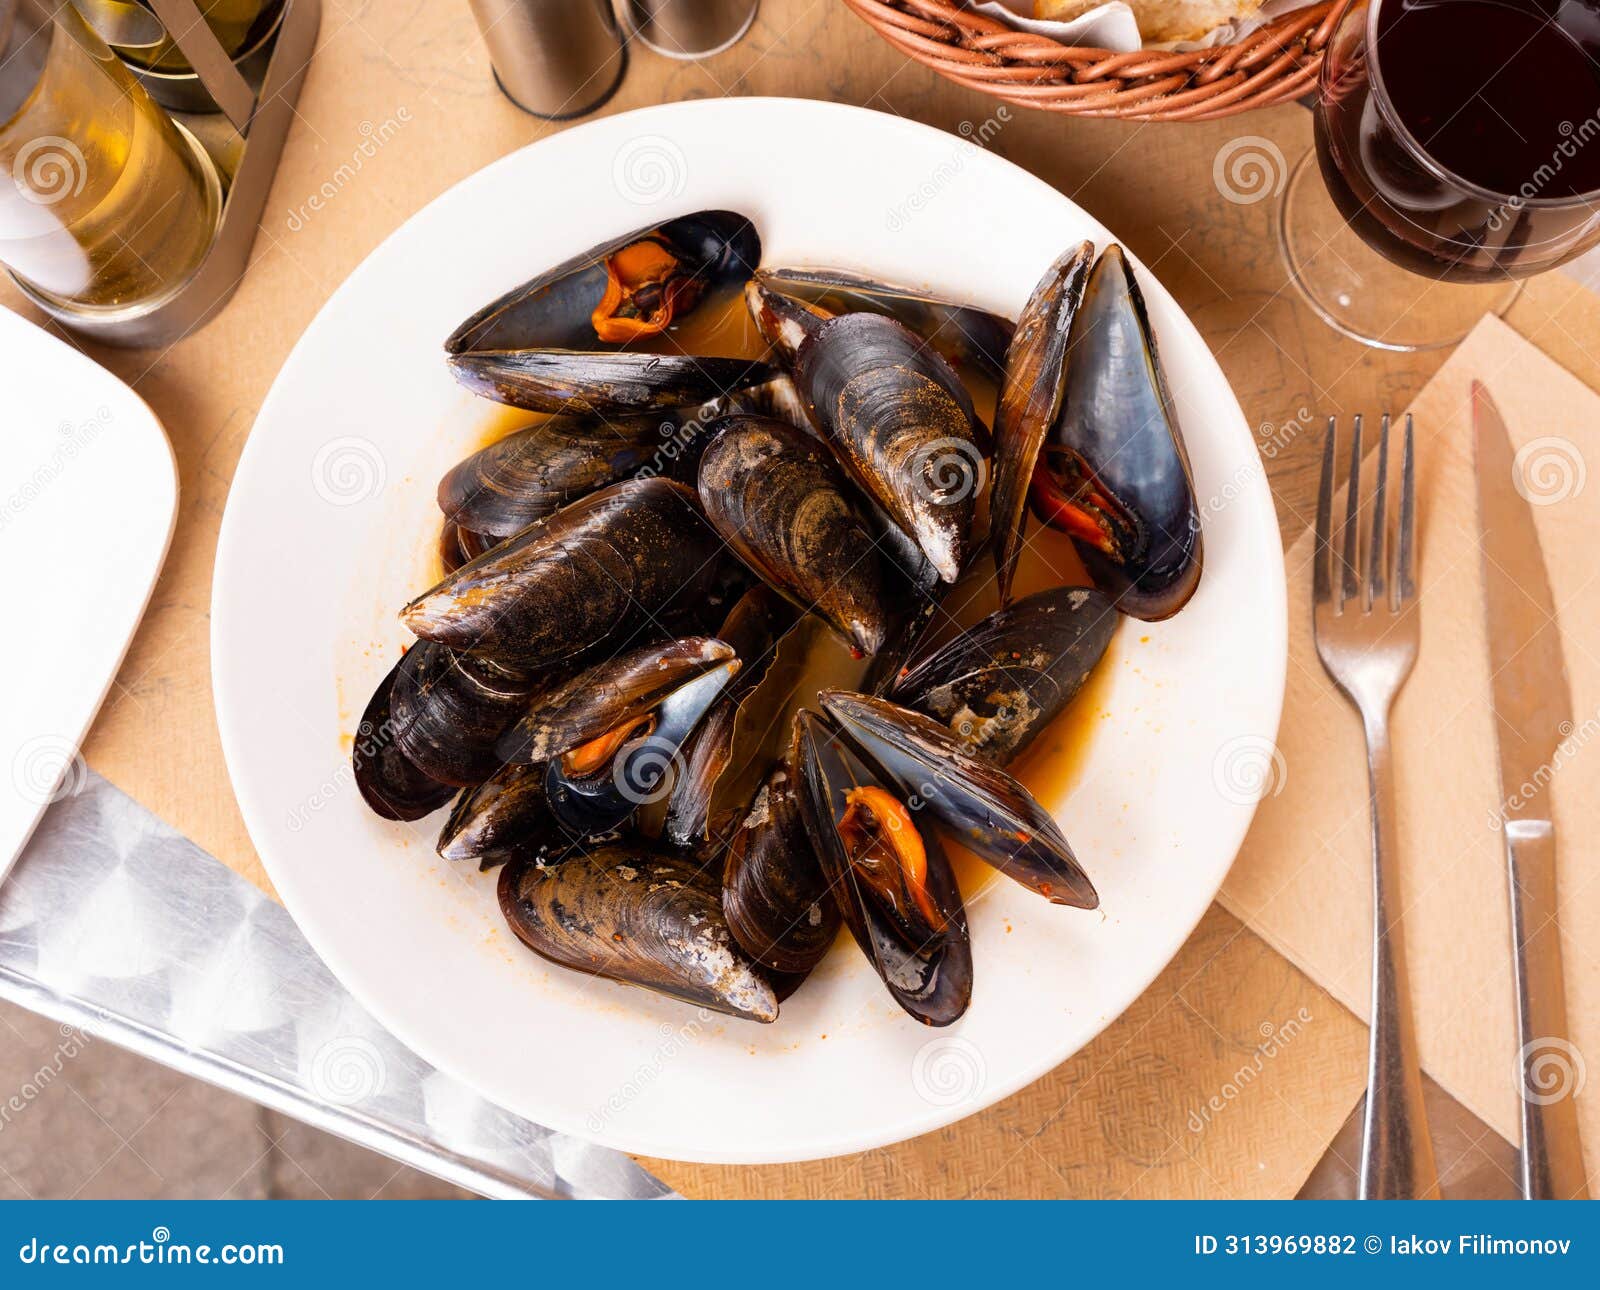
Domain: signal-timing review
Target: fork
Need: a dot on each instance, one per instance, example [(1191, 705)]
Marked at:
[(1366, 622)]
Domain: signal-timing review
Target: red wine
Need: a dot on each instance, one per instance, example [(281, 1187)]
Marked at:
[(1470, 159)]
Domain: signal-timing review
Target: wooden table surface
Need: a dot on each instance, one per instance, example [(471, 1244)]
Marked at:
[(414, 74)]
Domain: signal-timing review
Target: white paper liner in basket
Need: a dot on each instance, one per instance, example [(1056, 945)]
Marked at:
[(1113, 26)]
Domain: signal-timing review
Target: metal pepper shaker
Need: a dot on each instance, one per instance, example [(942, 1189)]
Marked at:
[(689, 28), (554, 58)]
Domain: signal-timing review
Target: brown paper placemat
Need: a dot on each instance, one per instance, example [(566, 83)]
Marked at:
[(1227, 1078), (1303, 878)]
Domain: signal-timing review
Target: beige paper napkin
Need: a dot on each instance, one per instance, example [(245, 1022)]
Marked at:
[(1303, 878)]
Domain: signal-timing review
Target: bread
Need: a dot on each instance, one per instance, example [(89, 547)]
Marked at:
[(1159, 20)]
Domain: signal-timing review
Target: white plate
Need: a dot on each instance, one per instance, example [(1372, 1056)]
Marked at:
[(328, 532), (88, 495)]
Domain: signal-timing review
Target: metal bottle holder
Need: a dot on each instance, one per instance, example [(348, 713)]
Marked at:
[(259, 107)]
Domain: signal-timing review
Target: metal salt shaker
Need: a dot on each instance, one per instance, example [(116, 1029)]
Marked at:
[(554, 58), (689, 28)]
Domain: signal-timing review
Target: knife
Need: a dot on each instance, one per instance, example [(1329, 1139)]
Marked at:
[(1533, 712)]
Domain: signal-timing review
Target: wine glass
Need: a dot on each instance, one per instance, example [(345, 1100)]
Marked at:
[(1458, 144)]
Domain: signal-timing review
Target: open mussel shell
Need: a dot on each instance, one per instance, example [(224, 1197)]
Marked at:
[(630, 913), (609, 695), (389, 781), (574, 338), (774, 895), (585, 575), (704, 757), (706, 252), (534, 472), (903, 424), (450, 709), (964, 335), (592, 796), (784, 321), (922, 952), (504, 818), (777, 497), (1114, 472), (976, 802), (775, 398), (1030, 399), (458, 545), (753, 629), (630, 381), (1000, 682)]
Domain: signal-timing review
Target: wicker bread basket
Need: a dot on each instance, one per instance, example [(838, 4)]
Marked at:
[(1273, 64)]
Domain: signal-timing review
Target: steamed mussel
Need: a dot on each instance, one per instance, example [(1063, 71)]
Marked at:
[(579, 337), (774, 893), (1001, 682), (965, 336), (902, 423), (1087, 425), (753, 630), (594, 672), (390, 783), (575, 579), (642, 916), (776, 496), (894, 887)]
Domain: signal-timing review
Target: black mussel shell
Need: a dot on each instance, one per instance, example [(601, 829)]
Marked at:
[(592, 800), (706, 754), (609, 694), (753, 629), (719, 250), (458, 545), (784, 321), (549, 345), (1002, 681), (964, 335), (930, 975), (449, 711), (977, 803), (774, 896), (775, 398), (504, 818), (534, 472), (1030, 399), (630, 381), (644, 917), (777, 497), (903, 424), (389, 781), (587, 574), (451, 556), (1115, 455)]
